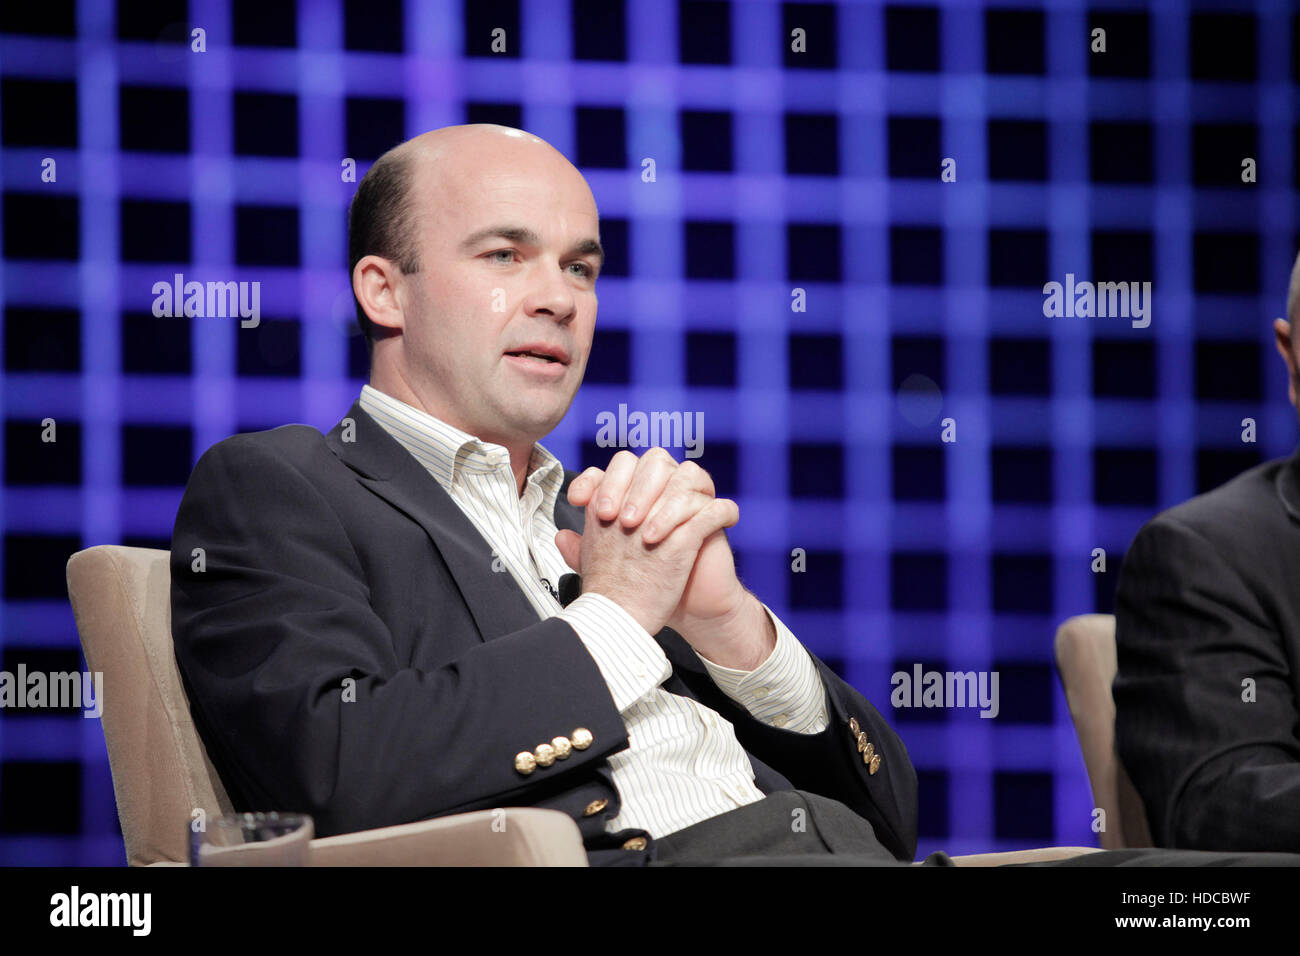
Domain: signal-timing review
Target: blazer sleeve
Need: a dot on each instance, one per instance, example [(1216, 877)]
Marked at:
[(829, 762), (1206, 720), (296, 687)]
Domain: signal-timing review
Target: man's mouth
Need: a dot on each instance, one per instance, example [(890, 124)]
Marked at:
[(544, 353)]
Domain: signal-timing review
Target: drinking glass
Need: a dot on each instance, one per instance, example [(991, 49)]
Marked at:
[(253, 839)]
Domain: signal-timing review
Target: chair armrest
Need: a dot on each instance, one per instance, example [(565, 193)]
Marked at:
[(509, 836), (1038, 855)]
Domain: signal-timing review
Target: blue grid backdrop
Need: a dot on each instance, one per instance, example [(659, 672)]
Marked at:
[(776, 170)]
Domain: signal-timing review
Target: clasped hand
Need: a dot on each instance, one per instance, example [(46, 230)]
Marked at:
[(654, 543)]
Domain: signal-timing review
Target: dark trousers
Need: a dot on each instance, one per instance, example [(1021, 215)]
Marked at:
[(799, 828), (787, 828)]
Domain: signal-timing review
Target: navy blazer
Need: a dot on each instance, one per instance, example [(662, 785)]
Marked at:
[(349, 652)]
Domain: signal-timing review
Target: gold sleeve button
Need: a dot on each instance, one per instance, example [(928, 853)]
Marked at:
[(593, 808), (636, 843), (862, 742), (562, 747), (525, 763), (581, 738), (854, 729), (874, 765), (545, 755)]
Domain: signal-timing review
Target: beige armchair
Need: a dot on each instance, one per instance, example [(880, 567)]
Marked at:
[(121, 598), (1086, 661)]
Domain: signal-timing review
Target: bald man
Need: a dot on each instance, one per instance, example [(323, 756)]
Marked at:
[(389, 623)]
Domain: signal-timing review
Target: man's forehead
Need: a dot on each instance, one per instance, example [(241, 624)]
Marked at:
[(486, 203), (535, 224), (494, 162)]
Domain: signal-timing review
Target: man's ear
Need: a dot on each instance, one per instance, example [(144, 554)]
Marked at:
[(1282, 337), (375, 283)]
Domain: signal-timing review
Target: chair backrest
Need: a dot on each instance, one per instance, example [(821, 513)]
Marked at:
[(1086, 662), (121, 598)]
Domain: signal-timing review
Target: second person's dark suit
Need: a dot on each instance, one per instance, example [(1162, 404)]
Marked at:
[(1207, 695)]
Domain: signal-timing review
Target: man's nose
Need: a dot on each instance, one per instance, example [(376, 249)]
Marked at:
[(551, 295)]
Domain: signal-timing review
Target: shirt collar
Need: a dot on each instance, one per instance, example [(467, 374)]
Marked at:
[(450, 454)]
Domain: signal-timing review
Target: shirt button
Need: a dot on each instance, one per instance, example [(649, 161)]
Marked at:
[(779, 720), (761, 691)]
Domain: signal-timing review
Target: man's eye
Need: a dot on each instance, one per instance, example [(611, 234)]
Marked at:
[(587, 271), (501, 252)]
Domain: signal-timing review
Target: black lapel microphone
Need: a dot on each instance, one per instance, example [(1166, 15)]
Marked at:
[(570, 588)]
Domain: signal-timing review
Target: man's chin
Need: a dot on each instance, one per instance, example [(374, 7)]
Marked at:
[(534, 412), (532, 425)]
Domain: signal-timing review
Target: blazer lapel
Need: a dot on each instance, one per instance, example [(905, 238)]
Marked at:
[(567, 515), (383, 466)]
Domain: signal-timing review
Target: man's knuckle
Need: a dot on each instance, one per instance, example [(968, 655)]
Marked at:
[(696, 475)]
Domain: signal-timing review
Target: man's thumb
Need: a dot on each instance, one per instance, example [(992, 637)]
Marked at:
[(570, 545)]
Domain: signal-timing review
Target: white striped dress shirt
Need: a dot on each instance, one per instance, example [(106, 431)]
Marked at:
[(683, 763)]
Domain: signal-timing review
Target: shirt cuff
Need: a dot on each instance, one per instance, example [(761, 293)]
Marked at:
[(631, 661), (784, 691)]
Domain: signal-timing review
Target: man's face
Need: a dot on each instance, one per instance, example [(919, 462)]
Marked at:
[(482, 299)]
